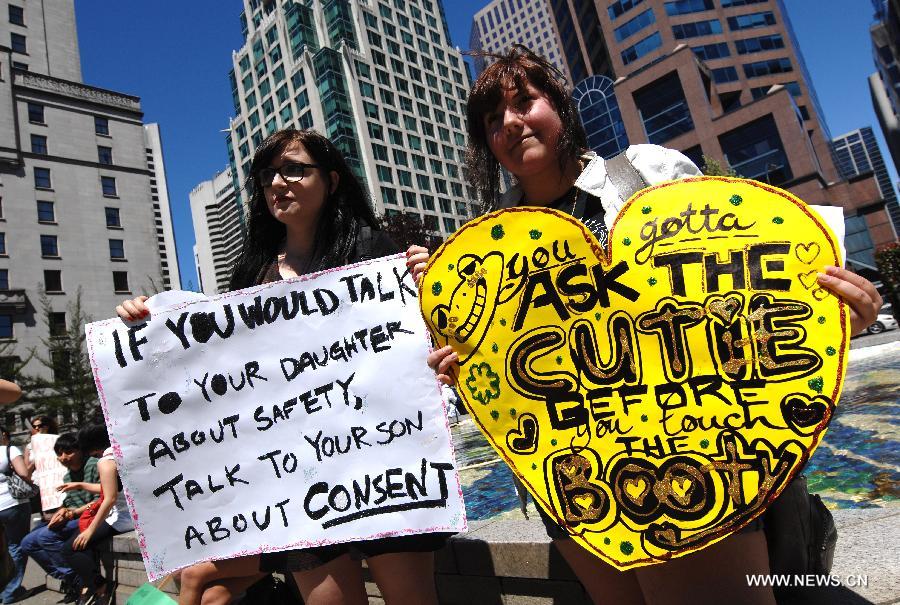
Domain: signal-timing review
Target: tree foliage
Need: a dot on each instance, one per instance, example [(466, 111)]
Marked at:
[(64, 354), (888, 260), (713, 167), (407, 228)]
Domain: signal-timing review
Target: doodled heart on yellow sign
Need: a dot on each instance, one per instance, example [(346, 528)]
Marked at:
[(657, 395)]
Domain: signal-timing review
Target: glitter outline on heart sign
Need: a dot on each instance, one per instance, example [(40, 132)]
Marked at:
[(649, 501)]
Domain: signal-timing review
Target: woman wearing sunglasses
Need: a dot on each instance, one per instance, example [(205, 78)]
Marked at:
[(308, 212)]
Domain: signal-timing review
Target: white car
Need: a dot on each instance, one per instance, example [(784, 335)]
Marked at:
[(883, 322)]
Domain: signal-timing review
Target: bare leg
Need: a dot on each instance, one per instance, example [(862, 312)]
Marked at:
[(221, 592), (604, 584), (338, 582), (195, 578), (405, 578), (714, 575)]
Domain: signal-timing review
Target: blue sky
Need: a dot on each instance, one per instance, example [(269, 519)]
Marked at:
[(175, 55)]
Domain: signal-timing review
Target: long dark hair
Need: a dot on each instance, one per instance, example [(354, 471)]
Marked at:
[(345, 211), (516, 68)]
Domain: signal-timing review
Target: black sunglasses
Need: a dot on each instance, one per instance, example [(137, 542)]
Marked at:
[(292, 172)]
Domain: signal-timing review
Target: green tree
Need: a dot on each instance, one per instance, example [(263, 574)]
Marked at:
[(64, 354), (888, 260), (713, 167), (407, 228)]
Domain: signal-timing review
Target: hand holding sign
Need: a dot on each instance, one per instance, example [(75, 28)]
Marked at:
[(657, 399)]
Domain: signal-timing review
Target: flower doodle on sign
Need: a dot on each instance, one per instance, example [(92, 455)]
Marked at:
[(483, 383)]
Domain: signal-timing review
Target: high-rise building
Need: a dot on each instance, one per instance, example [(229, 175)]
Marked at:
[(217, 217), (380, 79), (162, 213), (884, 84), (503, 23), (857, 153), (83, 200), (721, 78)]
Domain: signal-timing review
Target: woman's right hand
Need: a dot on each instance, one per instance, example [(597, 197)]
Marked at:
[(441, 360), (133, 309)]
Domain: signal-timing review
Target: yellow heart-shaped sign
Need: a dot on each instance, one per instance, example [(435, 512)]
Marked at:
[(657, 395)]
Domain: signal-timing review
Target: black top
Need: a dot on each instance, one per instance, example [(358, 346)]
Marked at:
[(589, 211), (370, 243)]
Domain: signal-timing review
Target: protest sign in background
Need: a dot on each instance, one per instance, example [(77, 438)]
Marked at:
[(48, 472), (293, 414), (654, 395)]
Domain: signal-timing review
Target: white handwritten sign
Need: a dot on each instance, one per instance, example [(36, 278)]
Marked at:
[(289, 415), (48, 472)]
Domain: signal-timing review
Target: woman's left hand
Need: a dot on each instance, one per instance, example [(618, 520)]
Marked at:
[(858, 292), (416, 259), (81, 542)]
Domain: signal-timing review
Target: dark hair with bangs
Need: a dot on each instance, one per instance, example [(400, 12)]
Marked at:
[(345, 211), (67, 442), (516, 68)]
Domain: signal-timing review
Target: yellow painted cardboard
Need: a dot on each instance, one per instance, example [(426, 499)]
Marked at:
[(656, 396)]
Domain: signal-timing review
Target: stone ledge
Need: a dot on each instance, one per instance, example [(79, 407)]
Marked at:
[(512, 562)]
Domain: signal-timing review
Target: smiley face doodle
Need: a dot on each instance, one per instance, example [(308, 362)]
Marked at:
[(654, 396), (465, 318)]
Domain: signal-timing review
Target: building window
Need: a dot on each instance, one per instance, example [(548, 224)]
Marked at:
[(765, 68), (635, 52), (46, 212), (117, 249), (36, 113), (39, 144), (721, 75), (113, 219), (751, 21), (635, 25), (108, 184), (104, 154), (449, 225), (4, 279), (17, 43), (755, 151), (858, 241), (2, 244), (664, 109), (49, 246), (62, 364), (42, 178), (101, 126), (16, 15), (711, 51), (600, 114), (56, 322), (6, 328), (620, 7), (761, 44), (120, 282), (53, 281), (683, 7), (697, 28), (730, 3), (388, 196)]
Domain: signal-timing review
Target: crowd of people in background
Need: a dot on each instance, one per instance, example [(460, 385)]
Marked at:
[(63, 539)]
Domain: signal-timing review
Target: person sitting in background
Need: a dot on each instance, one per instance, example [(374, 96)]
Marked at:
[(15, 515), (109, 518), (44, 544)]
